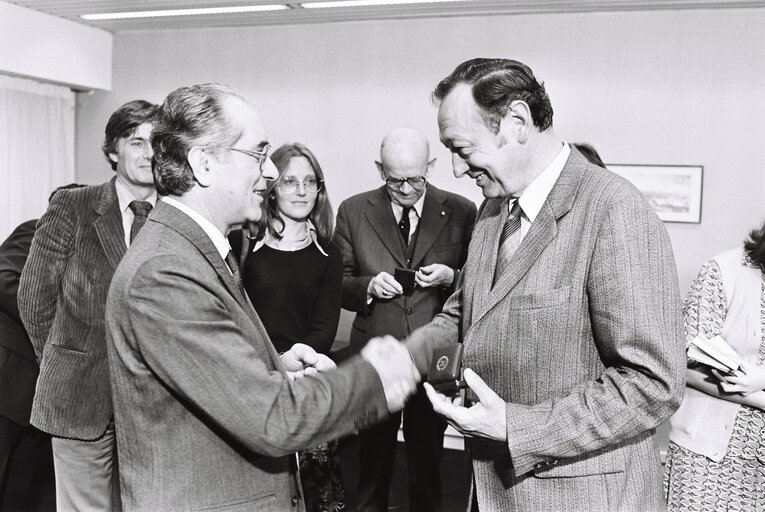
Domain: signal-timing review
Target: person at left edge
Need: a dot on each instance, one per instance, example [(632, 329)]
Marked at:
[(76, 247), (26, 460), (208, 415)]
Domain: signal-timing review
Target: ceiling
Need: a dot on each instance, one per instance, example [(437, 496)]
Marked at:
[(72, 9)]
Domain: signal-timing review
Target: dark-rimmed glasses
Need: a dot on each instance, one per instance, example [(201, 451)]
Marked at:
[(260, 156), (397, 183), (290, 185)]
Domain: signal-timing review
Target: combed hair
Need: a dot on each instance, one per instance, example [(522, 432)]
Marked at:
[(190, 116), (124, 122), (321, 215), (754, 247), (496, 83)]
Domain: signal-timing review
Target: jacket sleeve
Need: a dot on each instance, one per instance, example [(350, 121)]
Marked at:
[(192, 343), (354, 285), (40, 279), (13, 255)]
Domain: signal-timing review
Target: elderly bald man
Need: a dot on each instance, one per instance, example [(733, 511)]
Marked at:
[(410, 224)]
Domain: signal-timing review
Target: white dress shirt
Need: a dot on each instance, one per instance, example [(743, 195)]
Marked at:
[(537, 191), (414, 214)]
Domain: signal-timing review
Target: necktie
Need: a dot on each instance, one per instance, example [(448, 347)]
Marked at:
[(403, 224), (141, 211), (509, 239), (233, 265)]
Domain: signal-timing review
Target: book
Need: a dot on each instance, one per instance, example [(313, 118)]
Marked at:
[(716, 353)]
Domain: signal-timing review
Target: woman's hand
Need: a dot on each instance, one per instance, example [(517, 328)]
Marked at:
[(752, 382)]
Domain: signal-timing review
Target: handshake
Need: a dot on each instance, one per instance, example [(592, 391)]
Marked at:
[(389, 357), (397, 372)]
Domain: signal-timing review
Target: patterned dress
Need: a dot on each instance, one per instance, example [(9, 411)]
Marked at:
[(692, 481)]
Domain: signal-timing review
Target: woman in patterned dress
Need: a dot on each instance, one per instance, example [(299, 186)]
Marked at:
[(293, 276), (716, 456)]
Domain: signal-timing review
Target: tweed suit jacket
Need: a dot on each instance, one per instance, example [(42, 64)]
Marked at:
[(18, 365), (204, 413), (582, 337), (78, 243), (368, 236)]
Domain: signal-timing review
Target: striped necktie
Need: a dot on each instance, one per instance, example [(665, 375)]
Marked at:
[(509, 240)]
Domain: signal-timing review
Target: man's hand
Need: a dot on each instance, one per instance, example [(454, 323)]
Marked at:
[(384, 286), (484, 419), (434, 274), (394, 365), (302, 360), (753, 381)]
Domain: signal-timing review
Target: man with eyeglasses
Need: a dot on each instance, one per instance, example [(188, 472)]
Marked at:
[(77, 245), (208, 414), (410, 225)]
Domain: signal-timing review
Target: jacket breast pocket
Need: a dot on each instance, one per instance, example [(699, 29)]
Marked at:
[(540, 300)]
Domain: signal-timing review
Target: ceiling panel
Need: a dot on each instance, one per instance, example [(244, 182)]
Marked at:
[(72, 9)]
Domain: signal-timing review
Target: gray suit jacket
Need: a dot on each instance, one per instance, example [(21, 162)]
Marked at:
[(582, 337), (368, 236), (204, 414), (77, 245)]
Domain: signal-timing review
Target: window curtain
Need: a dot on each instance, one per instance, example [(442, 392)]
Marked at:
[(36, 147)]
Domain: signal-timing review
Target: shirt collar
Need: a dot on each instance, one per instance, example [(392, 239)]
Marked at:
[(125, 196), (536, 193), (220, 241), (397, 208), (314, 236)]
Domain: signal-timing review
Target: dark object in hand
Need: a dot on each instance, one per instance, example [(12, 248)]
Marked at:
[(445, 373), (405, 278)]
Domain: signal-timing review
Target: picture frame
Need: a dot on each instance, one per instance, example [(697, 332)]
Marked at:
[(673, 191)]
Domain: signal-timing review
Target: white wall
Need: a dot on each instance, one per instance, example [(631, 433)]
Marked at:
[(47, 48), (664, 87)]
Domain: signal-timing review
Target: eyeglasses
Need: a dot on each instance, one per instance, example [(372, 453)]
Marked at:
[(397, 183), (290, 185), (260, 156)]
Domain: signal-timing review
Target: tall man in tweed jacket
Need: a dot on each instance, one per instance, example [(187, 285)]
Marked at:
[(368, 234), (76, 247), (572, 329)]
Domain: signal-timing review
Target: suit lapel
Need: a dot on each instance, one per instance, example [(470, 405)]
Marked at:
[(385, 226), (542, 232), (188, 228), (108, 224), (435, 216), (192, 231)]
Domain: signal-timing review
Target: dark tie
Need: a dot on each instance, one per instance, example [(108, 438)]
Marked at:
[(233, 265), (141, 211), (509, 239), (403, 224)]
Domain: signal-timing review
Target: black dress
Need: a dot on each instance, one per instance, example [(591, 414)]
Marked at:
[(298, 295)]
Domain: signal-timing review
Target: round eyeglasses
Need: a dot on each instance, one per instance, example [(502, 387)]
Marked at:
[(397, 183), (290, 185)]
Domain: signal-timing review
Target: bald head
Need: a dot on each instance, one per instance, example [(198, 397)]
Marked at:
[(404, 147), (404, 154)]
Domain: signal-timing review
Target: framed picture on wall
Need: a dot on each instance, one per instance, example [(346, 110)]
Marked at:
[(674, 191)]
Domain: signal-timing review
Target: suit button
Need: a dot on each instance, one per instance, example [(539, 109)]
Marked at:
[(294, 502), (409, 311)]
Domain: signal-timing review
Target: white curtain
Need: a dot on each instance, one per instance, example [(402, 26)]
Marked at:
[(36, 147)]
